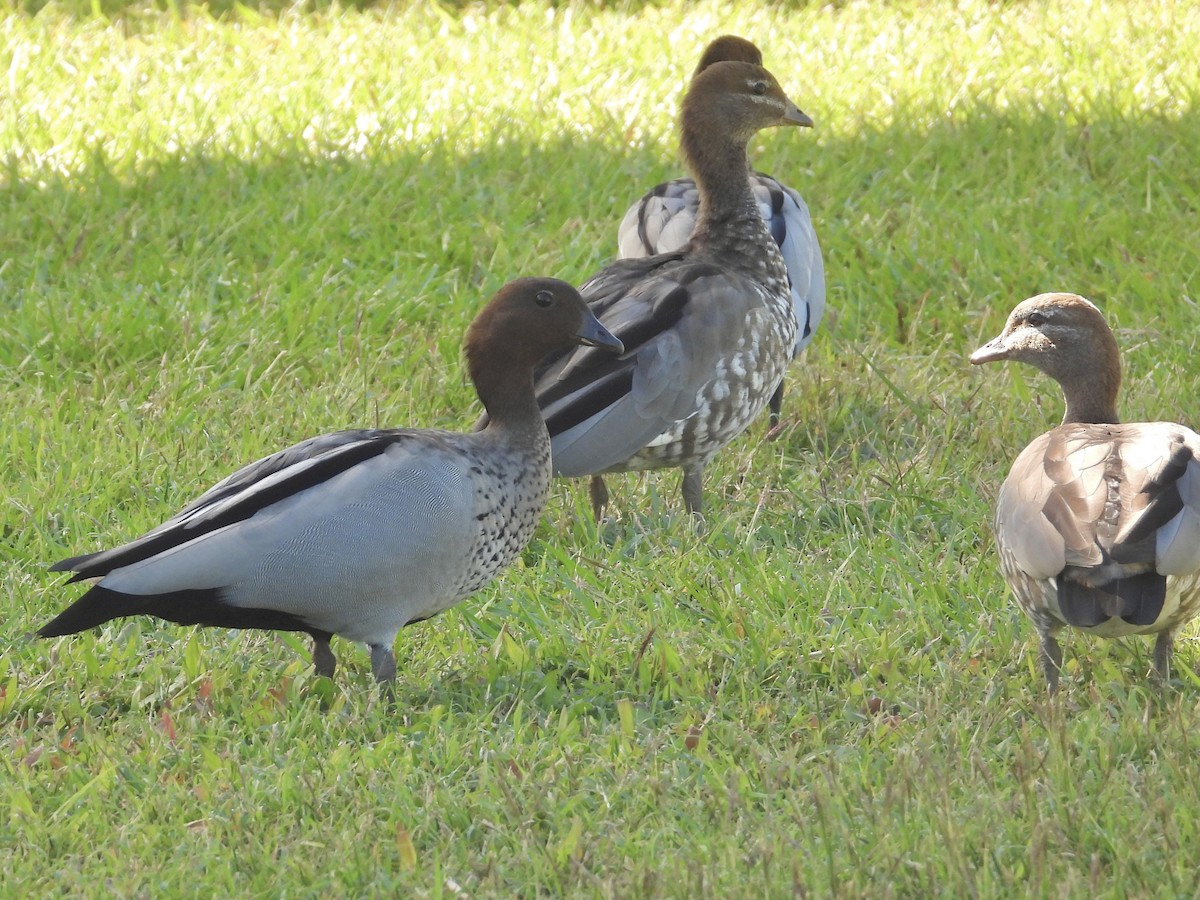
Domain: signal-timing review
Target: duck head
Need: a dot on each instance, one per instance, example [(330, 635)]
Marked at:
[(1065, 336), (738, 99), (531, 317)]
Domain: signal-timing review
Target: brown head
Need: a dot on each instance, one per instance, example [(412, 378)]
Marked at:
[(526, 320), (1066, 337), (737, 100), (726, 48)]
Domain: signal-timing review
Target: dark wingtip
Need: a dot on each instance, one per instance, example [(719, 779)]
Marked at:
[(74, 564)]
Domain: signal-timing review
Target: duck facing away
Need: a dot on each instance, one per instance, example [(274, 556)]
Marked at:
[(1098, 523), (664, 218), (708, 329), (359, 533)]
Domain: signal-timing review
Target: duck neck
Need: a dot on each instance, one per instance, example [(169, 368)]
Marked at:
[(721, 169), (1091, 394), (1094, 403), (506, 392)]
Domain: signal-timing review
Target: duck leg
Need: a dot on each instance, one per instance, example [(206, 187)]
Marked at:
[(324, 662), (1051, 660), (598, 491), (693, 490), (383, 663), (776, 407), (1162, 656)]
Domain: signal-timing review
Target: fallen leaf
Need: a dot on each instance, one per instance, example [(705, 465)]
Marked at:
[(408, 853), (167, 724)]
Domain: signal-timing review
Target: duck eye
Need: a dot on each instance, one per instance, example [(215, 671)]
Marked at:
[(759, 87), (543, 298), (1037, 320)]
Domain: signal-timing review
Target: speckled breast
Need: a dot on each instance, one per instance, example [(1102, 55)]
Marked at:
[(510, 494)]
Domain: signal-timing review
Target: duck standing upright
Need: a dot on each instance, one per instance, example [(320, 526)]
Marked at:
[(1098, 523), (359, 533), (708, 329), (664, 218)]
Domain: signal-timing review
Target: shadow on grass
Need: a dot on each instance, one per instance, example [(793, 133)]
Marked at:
[(923, 229), (930, 235)]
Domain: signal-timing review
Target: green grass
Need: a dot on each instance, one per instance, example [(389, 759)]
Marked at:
[(223, 232)]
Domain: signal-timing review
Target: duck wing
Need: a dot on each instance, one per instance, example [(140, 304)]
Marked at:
[(682, 322), (279, 476), (1107, 511)]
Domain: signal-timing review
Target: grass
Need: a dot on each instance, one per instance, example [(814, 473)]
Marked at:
[(226, 228)]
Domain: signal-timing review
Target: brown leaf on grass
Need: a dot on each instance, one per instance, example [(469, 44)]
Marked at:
[(278, 694), (204, 701), (408, 852), (167, 724), (692, 741)]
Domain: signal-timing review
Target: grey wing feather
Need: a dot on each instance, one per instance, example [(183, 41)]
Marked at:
[(1026, 536), (242, 493), (1162, 462), (602, 411), (801, 254), (1057, 506), (663, 219), (390, 531)]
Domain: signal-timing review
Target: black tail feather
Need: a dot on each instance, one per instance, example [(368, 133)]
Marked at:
[(96, 607), (1138, 600), (196, 607)]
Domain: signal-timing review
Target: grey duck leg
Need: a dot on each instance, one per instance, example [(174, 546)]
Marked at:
[(693, 490), (1162, 656), (1051, 660), (324, 662), (776, 407), (383, 663), (598, 491)]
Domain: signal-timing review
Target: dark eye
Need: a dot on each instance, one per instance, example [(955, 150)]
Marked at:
[(759, 87), (1036, 319), (543, 298)]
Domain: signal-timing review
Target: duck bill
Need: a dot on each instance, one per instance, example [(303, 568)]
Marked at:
[(990, 352), (793, 116), (592, 334)]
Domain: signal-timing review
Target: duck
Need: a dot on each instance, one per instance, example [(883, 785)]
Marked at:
[(664, 218), (708, 329), (1098, 523), (359, 533)]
